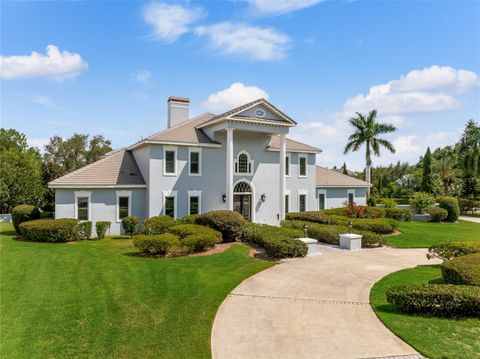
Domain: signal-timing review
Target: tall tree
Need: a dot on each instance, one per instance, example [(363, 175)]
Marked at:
[(367, 130), (427, 175), (445, 169), (344, 169), (469, 148)]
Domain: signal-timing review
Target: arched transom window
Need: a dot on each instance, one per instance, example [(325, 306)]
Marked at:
[(242, 187), (243, 163)]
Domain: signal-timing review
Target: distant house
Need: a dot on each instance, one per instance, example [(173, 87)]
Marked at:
[(239, 160)]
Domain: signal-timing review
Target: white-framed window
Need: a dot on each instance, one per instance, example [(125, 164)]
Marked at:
[(169, 160), (243, 163), (287, 202), (124, 204), (82, 205), (302, 200), (170, 203), (351, 196), (322, 199), (302, 166), (287, 165), (194, 202), (194, 161)]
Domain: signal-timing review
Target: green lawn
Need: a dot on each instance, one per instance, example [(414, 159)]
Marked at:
[(433, 337), (424, 234), (94, 299)]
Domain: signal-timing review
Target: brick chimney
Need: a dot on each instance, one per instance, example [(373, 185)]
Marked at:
[(178, 110)]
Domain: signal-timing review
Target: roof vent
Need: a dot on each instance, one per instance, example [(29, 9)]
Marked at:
[(178, 110)]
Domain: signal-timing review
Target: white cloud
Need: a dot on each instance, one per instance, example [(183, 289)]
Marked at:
[(44, 101), (142, 76), (236, 95), (169, 20), (277, 7), (38, 143), (57, 64), (251, 42)]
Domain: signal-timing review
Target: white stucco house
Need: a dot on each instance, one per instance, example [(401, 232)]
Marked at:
[(239, 160)]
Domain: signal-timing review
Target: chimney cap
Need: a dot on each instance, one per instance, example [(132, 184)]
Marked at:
[(178, 99)]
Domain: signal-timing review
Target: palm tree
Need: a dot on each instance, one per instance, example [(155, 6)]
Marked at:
[(366, 132), (445, 169)]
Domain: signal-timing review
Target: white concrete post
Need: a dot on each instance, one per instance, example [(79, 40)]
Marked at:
[(229, 183), (283, 155)]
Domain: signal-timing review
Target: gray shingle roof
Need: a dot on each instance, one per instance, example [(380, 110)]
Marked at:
[(331, 178), (118, 168)]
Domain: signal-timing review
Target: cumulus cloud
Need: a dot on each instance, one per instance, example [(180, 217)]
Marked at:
[(44, 101), (56, 64), (235, 95), (251, 42), (169, 20), (142, 76), (277, 7)]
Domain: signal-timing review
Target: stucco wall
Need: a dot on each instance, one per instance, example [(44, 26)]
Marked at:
[(336, 197), (103, 205)]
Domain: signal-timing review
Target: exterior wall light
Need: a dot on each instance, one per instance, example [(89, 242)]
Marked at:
[(224, 198), (263, 197)]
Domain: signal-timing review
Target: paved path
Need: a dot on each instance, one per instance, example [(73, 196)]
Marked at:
[(470, 219), (316, 307)]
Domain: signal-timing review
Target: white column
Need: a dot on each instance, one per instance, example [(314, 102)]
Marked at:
[(281, 182), (229, 182)]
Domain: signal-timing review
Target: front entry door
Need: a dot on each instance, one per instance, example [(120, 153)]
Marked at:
[(242, 205)]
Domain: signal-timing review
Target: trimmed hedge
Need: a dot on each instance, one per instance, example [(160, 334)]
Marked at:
[(130, 225), (446, 251), (184, 230), (309, 216), (84, 229), (23, 213), (462, 270), (278, 242), (374, 212), (50, 230), (399, 214), (158, 244), (190, 219), (450, 204), (229, 223), (443, 300), (199, 242), (376, 225), (158, 225), (101, 228), (437, 214), (341, 211)]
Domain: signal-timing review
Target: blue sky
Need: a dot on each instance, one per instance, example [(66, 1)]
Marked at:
[(416, 62)]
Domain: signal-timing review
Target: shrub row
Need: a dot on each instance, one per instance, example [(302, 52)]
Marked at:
[(444, 300), (437, 214), (23, 213), (400, 214), (229, 223), (377, 225), (50, 230), (278, 242), (446, 251), (309, 216), (462, 270)]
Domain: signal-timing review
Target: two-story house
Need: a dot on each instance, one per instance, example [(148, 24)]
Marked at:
[(239, 160)]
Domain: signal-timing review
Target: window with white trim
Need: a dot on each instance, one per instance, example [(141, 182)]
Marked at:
[(194, 202), (194, 162), (302, 202), (82, 205), (243, 163), (302, 166), (124, 204), (170, 203), (287, 166), (170, 161)]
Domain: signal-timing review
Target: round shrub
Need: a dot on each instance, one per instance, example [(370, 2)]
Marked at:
[(158, 244), (23, 213), (101, 228), (229, 223), (446, 251), (450, 204), (437, 214), (84, 230), (399, 214), (130, 225), (309, 216), (389, 203), (184, 230), (157, 225), (462, 270), (50, 230), (199, 242), (190, 219), (443, 300)]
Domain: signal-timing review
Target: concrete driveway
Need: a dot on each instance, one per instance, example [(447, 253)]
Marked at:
[(316, 307)]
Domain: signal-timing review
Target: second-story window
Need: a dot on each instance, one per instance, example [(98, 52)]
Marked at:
[(194, 165), (302, 166), (243, 163), (170, 161)]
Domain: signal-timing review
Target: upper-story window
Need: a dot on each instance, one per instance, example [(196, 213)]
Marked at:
[(170, 161), (243, 163), (195, 159), (302, 166)]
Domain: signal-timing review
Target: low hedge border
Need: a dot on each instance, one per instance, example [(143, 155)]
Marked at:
[(376, 225), (50, 230), (446, 251), (462, 270)]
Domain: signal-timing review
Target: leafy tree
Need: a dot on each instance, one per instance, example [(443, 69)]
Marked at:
[(427, 177), (469, 148), (344, 169), (20, 171), (366, 133)]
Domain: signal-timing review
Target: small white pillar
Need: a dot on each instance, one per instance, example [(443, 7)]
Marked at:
[(282, 159), (311, 244), (350, 241), (229, 182)]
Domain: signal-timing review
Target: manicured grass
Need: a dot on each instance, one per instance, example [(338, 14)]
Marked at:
[(425, 234), (433, 337), (94, 299)]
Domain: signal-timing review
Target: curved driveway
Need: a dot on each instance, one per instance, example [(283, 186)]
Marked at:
[(316, 307)]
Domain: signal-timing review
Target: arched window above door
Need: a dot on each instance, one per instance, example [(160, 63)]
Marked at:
[(242, 187), (243, 163)]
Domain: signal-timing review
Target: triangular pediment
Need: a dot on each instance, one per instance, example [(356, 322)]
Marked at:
[(259, 112)]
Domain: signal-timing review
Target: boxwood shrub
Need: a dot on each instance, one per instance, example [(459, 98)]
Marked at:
[(84, 229), (462, 270), (50, 230), (158, 224), (341, 211), (23, 213), (130, 225), (157, 244), (376, 225), (446, 251), (400, 214), (437, 214), (278, 242), (199, 242), (374, 212), (229, 223), (184, 230), (310, 216), (101, 228), (190, 219), (450, 204), (443, 300)]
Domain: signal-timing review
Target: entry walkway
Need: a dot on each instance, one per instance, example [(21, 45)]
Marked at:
[(315, 307)]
